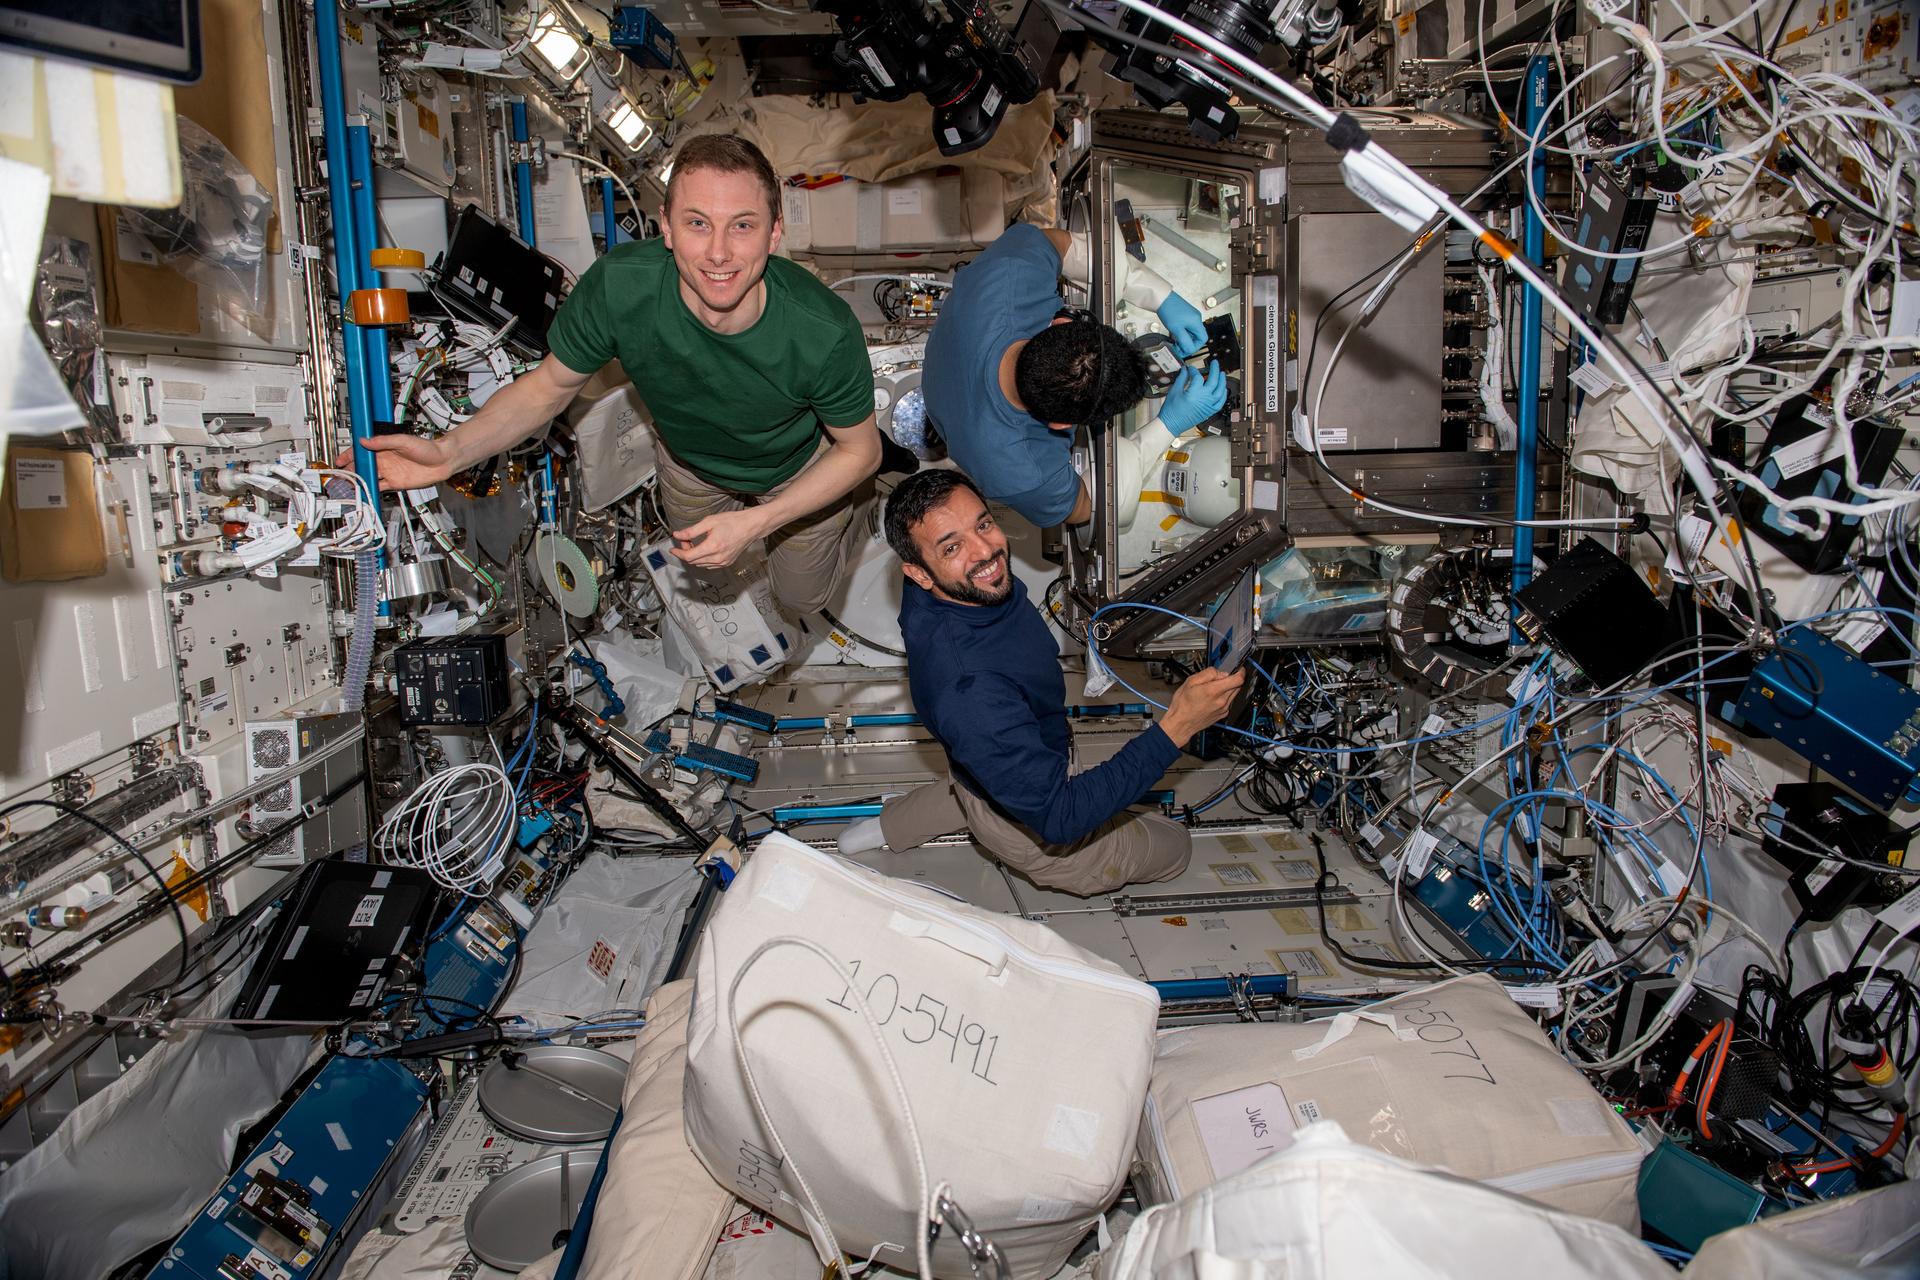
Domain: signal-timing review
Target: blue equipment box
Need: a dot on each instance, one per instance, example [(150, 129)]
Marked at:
[(284, 1219), (641, 36), (1827, 705)]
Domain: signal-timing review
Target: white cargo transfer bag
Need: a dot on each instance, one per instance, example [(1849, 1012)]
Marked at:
[(1453, 1075), (1325, 1208), (1023, 1060)]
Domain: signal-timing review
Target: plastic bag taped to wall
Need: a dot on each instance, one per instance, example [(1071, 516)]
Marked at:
[(217, 235)]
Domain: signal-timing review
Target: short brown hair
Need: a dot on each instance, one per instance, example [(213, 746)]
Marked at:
[(729, 154)]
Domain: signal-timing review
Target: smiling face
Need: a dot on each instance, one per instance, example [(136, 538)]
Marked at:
[(721, 232), (963, 551)]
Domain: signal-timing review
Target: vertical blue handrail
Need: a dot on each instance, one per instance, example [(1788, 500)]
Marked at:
[(610, 224), (1527, 415), (366, 234), (349, 249), (523, 172)]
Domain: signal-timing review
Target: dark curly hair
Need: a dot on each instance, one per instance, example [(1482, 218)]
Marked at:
[(1054, 375), (910, 502)]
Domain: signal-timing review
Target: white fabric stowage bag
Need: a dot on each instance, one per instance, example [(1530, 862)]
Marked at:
[(1023, 1057), (1325, 1208), (1454, 1075)]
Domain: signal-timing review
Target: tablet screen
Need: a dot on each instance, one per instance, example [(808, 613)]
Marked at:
[(1231, 626)]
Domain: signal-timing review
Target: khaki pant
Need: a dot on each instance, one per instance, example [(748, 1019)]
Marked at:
[(1129, 848), (806, 558)]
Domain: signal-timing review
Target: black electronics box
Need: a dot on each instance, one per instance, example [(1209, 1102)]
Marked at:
[(1747, 1079), (1617, 217), (1595, 610), (453, 679), (1818, 815), (491, 276), (330, 953), (1802, 458)]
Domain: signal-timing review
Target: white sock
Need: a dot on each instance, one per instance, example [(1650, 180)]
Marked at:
[(863, 836)]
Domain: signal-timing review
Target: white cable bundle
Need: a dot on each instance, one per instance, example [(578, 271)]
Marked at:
[(360, 528), (454, 827)]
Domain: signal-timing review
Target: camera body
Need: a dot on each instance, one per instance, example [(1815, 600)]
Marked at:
[(953, 52)]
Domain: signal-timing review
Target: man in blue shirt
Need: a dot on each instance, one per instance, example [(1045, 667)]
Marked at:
[(1007, 378), (985, 674)]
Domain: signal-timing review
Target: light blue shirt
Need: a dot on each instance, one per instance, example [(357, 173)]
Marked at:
[(1006, 295)]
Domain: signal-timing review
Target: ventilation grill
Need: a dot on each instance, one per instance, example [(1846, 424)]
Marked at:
[(284, 852), (272, 748)]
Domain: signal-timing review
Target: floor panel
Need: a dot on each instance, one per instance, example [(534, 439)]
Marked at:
[(1244, 905)]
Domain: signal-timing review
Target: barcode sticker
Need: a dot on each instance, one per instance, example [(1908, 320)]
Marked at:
[(1536, 995)]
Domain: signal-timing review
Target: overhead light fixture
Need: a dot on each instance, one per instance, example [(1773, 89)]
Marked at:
[(630, 126), (557, 46)]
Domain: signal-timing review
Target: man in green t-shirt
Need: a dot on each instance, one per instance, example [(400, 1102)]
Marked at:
[(756, 375)]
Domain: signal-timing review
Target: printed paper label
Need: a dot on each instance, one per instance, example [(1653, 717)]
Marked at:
[(1240, 1128), (874, 65), (1900, 916), (1816, 450), (39, 484), (1592, 379), (1419, 850)]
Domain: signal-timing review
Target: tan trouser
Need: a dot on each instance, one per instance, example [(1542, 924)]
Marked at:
[(1129, 848), (804, 558)]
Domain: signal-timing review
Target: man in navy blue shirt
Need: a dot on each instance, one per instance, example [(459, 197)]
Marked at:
[(1007, 378), (985, 674)]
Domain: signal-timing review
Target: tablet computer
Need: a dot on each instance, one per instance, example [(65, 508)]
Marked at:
[(1231, 626)]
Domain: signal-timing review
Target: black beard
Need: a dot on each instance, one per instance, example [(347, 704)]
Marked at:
[(963, 590)]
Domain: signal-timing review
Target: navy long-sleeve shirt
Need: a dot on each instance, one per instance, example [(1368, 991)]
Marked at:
[(986, 680)]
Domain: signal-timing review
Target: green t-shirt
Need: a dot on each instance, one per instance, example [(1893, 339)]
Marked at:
[(743, 410)]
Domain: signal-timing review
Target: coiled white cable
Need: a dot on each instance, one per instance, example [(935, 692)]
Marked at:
[(453, 827)]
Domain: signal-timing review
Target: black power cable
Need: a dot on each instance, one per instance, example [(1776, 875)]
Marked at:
[(143, 910), (153, 873)]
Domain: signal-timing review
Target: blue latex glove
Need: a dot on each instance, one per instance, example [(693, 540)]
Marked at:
[(1193, 399), (1185, 325)]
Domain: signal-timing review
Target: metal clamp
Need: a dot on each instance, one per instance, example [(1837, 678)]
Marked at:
[(979, 1249), (1240, 988)]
